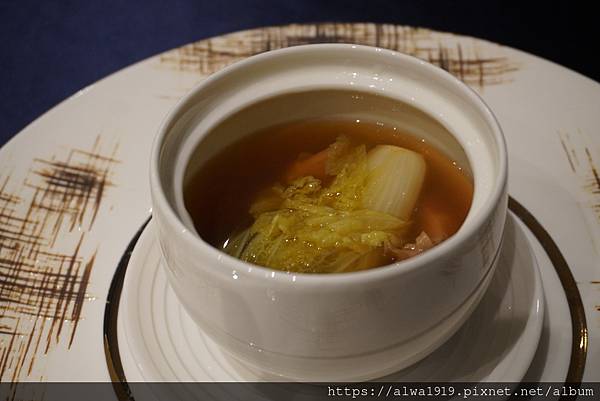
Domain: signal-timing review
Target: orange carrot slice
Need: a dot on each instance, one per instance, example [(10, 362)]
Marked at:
[(434, 222), (313, 165)]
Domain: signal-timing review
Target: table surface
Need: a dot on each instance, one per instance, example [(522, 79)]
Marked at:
[(50, 50)]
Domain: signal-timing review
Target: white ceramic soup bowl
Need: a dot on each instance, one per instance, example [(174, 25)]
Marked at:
[(335, 327)]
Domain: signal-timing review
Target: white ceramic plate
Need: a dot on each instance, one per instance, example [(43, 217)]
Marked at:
[(102, 136), (159, 342)]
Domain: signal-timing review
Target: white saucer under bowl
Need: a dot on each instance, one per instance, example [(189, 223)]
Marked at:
[(159, 342)]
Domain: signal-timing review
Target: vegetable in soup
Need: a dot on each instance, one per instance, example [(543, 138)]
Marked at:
[(328, 196)]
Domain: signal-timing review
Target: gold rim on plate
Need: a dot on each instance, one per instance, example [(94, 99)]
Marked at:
[(579, 343)]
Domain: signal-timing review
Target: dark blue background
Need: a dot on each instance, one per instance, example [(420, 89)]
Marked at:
[(49, 50)]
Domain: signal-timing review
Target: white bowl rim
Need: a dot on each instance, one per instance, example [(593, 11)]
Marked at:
[(399, 268)]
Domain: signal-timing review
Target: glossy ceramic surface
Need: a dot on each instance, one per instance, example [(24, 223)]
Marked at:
[(346, 327), (497, 343)]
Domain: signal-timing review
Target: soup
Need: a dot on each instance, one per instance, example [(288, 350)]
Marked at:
[(328, 195)]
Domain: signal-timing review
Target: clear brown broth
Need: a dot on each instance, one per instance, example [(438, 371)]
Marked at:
[(219, 194)]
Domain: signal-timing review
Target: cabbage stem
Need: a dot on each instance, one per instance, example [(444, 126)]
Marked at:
[(394, 180)]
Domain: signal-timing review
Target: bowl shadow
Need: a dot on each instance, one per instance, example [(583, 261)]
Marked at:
[(481, 349)]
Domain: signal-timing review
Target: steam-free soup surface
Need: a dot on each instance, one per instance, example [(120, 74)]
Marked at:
[(221, 194)]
